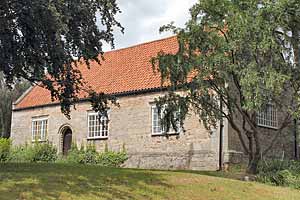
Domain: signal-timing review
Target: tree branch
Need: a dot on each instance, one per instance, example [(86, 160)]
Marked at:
[(284, 124)]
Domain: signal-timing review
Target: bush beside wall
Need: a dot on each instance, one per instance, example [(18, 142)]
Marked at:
[(89, 155), (280, 173), (5, 146), (83, 155), (21, 154), (111, 159), (46, 152), (37, 152)]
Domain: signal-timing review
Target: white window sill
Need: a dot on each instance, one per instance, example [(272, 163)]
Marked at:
[(40, 141), (265, 126), (164, 134), (97, 138)]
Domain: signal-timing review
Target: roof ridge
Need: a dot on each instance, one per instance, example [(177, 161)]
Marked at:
[(140, 44)]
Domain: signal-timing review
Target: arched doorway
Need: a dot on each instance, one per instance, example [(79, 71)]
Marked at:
[(67, 140)]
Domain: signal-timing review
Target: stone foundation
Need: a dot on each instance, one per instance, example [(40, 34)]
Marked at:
[(195, 160)]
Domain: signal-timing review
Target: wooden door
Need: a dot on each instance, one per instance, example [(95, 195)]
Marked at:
[(67, 141)]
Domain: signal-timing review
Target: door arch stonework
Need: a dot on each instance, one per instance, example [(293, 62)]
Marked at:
[(65, 138)]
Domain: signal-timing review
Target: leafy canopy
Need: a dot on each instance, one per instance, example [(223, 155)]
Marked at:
[(39, 39), (235, 57), (240, 52)]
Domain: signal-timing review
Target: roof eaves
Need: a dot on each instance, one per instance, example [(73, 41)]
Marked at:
[(119, 94)]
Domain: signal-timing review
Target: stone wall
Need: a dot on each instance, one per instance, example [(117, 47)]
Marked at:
[(282, 148), (130, 126)]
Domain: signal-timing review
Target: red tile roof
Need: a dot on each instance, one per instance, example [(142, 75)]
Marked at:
[(123, 70)]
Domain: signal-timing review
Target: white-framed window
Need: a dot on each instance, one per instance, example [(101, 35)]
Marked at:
[(97, 128), (157, 128), (267, 117), (39, 127)]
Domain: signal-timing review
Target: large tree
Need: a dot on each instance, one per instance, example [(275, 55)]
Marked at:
[(241, 54), (40, 41), (7, 97)]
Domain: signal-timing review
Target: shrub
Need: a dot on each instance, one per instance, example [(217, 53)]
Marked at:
[(44, 152), (82, 156), (278, 165), (38, 152), (5, 146), (280, 173), (21, 154), (74, 155), (89, 155), (111, 159)]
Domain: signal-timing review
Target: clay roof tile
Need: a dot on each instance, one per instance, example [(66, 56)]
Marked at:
[(123, 70)]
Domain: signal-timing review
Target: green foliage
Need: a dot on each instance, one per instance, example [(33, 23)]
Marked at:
[(75, 155), (240, 54), (89, 155), (280, 173), (44, 152), (5, 146), (38, 152), (83, 155), (21, 154), (239, 46), (278, 165), (111, 159), (42, 36)]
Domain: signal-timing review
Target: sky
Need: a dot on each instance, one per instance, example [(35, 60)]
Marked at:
[(143, 18)]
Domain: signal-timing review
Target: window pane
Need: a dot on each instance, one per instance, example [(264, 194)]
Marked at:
[(156, 121), (98, 127), (39, 129), (267, 117)]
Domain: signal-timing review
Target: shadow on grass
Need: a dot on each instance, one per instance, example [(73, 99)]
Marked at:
[(236, 172), (61, 181)]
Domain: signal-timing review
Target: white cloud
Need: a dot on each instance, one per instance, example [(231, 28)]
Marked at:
[(143, 18)]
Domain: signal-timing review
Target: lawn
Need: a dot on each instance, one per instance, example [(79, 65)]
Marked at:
[(61, 181)]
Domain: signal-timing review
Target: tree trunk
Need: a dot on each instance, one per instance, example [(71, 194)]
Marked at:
[(253, 165), (254, 156), (251, 154)]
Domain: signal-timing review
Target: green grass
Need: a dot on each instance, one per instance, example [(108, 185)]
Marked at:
[(61, 181)]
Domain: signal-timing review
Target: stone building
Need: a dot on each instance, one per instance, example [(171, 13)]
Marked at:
[(127, 73)]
